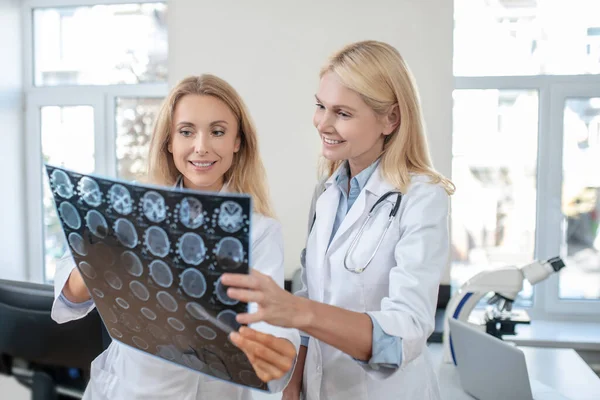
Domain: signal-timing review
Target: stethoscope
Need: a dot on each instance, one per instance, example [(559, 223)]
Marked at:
[(391, 217), (393, 213)]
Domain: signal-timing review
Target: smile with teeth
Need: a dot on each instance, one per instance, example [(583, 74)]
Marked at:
[(330, 141), (200, 164)]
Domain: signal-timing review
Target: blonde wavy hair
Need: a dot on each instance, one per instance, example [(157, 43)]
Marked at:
[(246, 174), (378, 73)]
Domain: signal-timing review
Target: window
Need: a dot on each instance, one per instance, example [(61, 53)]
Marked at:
[(493, 212), (134, 118), (526, 37), (92, 99), (581, 199), (74, 46), (526, 146)]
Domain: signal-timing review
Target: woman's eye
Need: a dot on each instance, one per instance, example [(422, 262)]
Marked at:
[(343, 114), (185, 133), (218, 133), (320, 106)]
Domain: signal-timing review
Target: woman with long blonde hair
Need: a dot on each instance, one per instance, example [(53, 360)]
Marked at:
[(204, 140), (378, 240)]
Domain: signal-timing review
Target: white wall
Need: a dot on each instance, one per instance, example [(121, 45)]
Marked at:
[(12, 200), (271, 52)]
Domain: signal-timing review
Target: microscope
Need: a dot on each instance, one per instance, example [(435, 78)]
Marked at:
[(504, 283)]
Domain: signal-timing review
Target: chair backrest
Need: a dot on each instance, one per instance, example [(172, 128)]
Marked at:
[(28, 332)]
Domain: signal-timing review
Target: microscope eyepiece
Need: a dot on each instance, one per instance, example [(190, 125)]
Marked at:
[(557, 263)]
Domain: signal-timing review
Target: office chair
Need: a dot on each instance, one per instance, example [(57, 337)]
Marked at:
[(51, 359)]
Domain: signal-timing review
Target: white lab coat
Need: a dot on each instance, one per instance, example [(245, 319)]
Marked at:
[(122, 372), (399, 287)]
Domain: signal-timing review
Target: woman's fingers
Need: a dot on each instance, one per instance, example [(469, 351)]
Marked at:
[(248, 319), (265, 371), (248, 281), (247, 296), (281, 346), (274, 356)]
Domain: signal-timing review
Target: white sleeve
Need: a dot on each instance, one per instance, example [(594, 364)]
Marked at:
[(303, 292), (267, 257), (421, 255), (64, 311)]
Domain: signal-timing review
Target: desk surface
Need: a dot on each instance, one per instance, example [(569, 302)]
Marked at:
[(561, 369), (573, 335)]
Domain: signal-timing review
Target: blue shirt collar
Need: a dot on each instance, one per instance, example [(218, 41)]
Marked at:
[(359, 181)]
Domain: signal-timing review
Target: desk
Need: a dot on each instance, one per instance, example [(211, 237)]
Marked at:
[(561, 369)]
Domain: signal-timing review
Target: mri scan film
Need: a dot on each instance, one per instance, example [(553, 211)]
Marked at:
[(152, 259)]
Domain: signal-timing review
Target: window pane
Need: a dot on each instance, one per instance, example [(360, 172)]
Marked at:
[(526, 37), (494, 208), (100, 45), (581, 200), (63, 129), (135, 121)]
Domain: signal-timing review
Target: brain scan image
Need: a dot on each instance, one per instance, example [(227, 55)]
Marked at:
[(193, 283), (191, 213), (69, 215), (110, 316), (230, 253), (154, 207), (113, 280), (132, 263), (157, 242), (219, 370), (103, 255), (89, 191), (206, 332), (197, 311), (120, 199), (130, 322), (96, 224), (77, 244), (139, 342), (123, 303), (157, 332), (161, 273), (176, 324), (148, 313), (116, 332), (192, 361), (228, 318), (221, 292), (166, 352), (250, 379), (152, 258), (61, 184), (167, 301), (139, 290), (87, 270), (231, 217), (126, 233), (191, 248)]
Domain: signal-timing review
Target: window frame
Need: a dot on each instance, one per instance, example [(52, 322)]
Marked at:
[(552, 91), (103, 100)]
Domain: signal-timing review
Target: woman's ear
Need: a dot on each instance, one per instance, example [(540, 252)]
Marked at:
[(392, 119)]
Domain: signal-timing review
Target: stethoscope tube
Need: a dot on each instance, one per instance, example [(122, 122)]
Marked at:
[(392, 215)]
